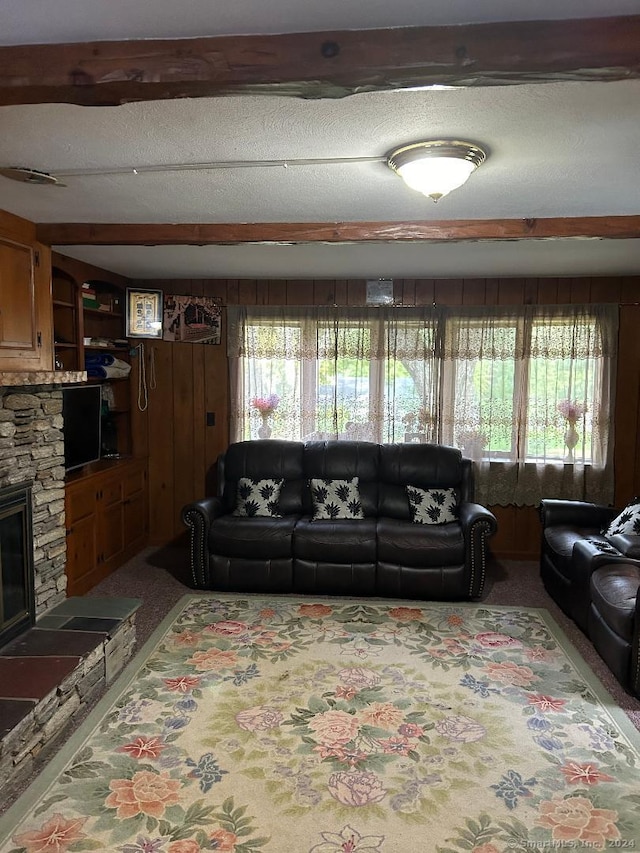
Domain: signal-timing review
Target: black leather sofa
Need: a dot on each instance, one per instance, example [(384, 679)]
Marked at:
[(595, 579), (384, 553), (573, 547)]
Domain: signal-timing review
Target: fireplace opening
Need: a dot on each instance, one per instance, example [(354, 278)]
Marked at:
[(17, 601)]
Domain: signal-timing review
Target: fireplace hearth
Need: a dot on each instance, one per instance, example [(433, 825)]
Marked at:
[(17, 601)]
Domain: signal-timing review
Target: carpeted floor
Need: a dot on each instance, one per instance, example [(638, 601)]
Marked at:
[(158, 578), (292, 723)]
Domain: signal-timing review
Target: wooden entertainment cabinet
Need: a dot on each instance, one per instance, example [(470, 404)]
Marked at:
[(106, 519), (106, 502)]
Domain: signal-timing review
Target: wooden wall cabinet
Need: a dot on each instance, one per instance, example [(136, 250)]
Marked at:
[(25, 306), (106, 520)]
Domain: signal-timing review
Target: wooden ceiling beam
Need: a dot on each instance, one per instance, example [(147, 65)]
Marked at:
[(322, 64), (154, 234)]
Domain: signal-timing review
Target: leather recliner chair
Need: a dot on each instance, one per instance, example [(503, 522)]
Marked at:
[(595, 578), (573, 546)]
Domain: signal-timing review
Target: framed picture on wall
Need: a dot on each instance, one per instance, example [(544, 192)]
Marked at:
[(143, 313), (192, 319)]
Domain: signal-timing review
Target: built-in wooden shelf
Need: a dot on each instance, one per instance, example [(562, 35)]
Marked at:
[(102, 313)]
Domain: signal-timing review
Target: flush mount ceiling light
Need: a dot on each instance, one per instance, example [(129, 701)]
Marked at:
[(437, 167)]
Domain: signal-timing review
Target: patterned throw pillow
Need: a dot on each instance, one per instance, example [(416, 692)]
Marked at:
[(336, 499), (432, 506), (258, 498), (627, 522)]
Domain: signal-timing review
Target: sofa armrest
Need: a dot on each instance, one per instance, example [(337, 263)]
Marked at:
[(590, 554), (627, 543), (478, 523), (197, 516), (575, 513), (472, 513)]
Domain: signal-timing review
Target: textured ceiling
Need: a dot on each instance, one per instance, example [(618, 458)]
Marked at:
[(30, 22), (374, 260), (557, 149)]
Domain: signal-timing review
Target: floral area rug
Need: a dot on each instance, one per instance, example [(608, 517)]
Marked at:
[(335, 726)]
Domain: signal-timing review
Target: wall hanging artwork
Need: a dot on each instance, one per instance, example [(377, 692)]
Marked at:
[(192, 319), (144, 313)]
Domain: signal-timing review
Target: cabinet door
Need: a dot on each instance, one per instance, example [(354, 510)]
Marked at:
[(25, 307), (110, 520), (82, 541), (135, 507)]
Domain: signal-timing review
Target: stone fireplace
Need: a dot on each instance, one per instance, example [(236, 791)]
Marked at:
[(32, 452), (17, 603)]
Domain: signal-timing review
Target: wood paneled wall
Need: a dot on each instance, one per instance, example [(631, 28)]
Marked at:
[(184, 385), (191, 380)]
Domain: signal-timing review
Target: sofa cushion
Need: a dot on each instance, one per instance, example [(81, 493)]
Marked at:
[(425, 466), (614, 589), (343, 541), (258, 498), (258, 537), (407, 544), (336, 499), (432, 506), (344, 460), (266, 459), (627, 522)]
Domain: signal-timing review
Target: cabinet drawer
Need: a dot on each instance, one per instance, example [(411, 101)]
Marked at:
[(133, 482), (80, 502), (111, 492)]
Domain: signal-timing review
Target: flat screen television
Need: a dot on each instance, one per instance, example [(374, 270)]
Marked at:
[(81, 413)]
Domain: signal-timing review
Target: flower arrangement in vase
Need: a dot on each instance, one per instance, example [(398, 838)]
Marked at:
[(571, 411), (265, 406), (418, 424)]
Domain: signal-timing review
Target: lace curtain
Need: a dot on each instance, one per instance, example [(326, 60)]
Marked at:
[(529, 396), (526, 391), (335, 372)]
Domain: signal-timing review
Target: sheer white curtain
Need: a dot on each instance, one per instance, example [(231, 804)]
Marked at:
[(529, 395), (525, 391), (336, 372)]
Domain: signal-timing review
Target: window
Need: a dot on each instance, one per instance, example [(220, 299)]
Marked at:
[(482, 378), (510, 379), (526, 388)]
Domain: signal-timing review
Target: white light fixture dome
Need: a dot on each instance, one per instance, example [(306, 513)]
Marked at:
[(436, 168)]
